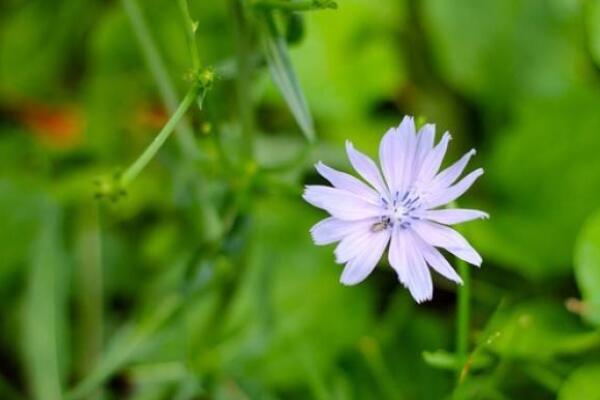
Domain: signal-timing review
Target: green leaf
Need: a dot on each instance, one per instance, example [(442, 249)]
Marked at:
[(282, 72), (125, 344), (539, 330), (545, 176), (469, 38), (290, 302), (41, 325), (581, 384), (587, 268)]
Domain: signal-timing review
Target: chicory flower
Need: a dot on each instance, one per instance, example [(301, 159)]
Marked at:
[(401, 208)]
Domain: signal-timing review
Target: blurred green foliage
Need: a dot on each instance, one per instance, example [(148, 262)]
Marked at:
[(203, 283)]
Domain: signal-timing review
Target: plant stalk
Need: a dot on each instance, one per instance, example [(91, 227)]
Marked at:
[(185, 135), (463, 317), (133, 171)]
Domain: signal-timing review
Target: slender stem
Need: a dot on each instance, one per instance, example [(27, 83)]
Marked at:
[(90, 290), (295, 5), (132, 172), (190, 31), (185, 135), (242, 37), (463, 315)]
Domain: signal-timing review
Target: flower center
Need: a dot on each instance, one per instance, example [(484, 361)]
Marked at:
[(400, 211)]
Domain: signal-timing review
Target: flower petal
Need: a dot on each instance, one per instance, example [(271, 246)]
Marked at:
[(409, 147), (450, 174), (447, 238), (451, 216), (331, 230), (352, 245), (366, 168), (445, 196), (344, 181), (397, 255), (358, 268), (390, 150), (433, 160), (410, 266), (340, 203), (425, 141), (420, 284), (437, 261)]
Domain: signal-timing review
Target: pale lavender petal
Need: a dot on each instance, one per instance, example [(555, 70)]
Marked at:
[(409, 148), (344, 181), (451, 216), (447, 238), (358, 268), (397, 255), (340, 203), (445, 196), (410, 265), (450, 174), (436, 260), (433, 160), (390, 156), (366, 168), (353, 244), (331, 230), (425, 141), (420, 284)]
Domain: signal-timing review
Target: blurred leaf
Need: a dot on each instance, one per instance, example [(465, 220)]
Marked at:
[(581, 384), (539, 330), (587, 268), (291, 301), (125, 344), (41, 325), (593, 28), (537, 41), (282, 72), (36, 43), (349, 63), (20, 212), (545, 176)]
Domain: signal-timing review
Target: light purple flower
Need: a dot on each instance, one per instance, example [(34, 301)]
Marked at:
[(400, 208)]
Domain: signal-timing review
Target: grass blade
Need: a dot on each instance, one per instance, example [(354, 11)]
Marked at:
[(125, 344), (282, 72), (41, 313)]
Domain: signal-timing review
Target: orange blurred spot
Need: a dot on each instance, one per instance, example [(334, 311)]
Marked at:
[(60, 126)]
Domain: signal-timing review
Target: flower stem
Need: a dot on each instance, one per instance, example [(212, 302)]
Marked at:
[(132, 172), (185, 135), (190, 31), (463, 316), (242, 36)]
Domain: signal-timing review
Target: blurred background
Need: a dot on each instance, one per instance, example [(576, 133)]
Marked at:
[(201, 282)]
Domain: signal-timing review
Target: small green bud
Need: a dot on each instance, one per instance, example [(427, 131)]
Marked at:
[(207, 77), (109, 187)]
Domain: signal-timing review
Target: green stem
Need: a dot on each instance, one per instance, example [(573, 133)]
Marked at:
[(132, 172), (295, 5), (463, 315), (242, 37), (190, 31), (89, 290), (185, 135)]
